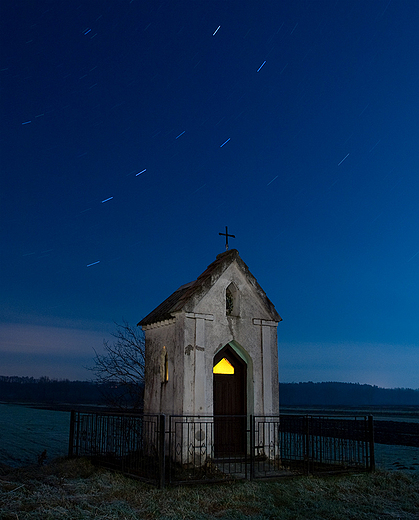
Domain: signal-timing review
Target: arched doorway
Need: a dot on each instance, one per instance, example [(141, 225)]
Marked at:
[(229, 400)]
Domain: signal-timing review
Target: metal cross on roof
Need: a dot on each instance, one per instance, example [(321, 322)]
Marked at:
[(227, 235)]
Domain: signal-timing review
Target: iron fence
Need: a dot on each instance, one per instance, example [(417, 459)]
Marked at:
[(313, 444), (186, 449), (200, 448), (131, 443)]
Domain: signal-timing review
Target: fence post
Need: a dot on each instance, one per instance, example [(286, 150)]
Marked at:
[(71, 436), (307, 445), (162, 450), (252, 446), (371, 442)]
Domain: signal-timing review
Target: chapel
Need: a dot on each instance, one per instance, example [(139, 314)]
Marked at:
[(211, 346)]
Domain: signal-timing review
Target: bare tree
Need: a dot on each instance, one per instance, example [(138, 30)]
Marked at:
[(120, 371)]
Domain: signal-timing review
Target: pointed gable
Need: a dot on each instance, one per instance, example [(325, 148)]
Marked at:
[(184, 298)]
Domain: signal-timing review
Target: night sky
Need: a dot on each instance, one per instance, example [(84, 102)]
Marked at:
[(133, 132)]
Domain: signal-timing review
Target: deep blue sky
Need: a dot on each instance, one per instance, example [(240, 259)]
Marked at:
[(317, 104)]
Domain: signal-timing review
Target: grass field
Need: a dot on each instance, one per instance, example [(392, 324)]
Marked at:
[(74, 489)]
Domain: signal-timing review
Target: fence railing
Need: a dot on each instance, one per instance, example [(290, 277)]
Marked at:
[(325, 444), (133, 444), (183, 449)]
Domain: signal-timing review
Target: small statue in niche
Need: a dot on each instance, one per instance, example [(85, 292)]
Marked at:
[(164, 366)]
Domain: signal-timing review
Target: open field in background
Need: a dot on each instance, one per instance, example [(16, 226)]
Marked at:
[(74, 489), (26, 432), (380, 413)]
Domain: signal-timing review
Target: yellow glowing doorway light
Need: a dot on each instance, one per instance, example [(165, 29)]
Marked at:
[(223, 367)]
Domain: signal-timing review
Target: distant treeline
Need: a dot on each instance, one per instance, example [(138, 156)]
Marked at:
[(54, 392), (57, 392), (345, 394), (49, 391)]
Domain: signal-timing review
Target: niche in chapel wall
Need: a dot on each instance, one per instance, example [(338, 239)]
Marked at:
[(164, 366), (232, 300)]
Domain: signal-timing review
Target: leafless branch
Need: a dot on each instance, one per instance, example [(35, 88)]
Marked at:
[(122, 363)]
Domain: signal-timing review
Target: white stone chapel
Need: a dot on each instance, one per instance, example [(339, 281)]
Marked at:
[(211, 346)]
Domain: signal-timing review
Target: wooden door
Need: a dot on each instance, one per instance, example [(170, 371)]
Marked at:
[(229, 381)]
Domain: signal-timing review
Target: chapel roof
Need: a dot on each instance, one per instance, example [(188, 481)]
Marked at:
[(179, 300)]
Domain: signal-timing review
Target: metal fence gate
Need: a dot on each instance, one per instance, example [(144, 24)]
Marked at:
[(181, 449)]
